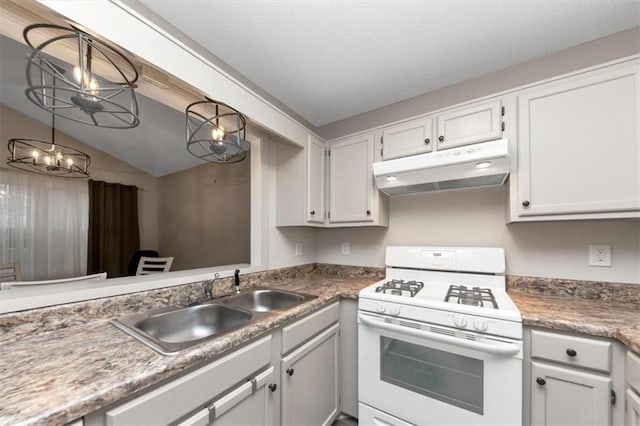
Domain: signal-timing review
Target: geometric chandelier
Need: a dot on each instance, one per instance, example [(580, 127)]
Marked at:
[(47, 158), (216, 132), (96, 89)]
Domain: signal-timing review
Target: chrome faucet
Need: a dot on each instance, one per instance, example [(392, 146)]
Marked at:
[(208, 287)]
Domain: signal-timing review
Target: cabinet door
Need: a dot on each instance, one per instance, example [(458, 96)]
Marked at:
[(408, 138), (310, 381), (633, 408), (315, 180), (351, 179), (564, 396), (579, 143), (248, 404), (472, 124)]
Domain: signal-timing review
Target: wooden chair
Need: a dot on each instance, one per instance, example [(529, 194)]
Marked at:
[(153, 265), (83, 278), (10, 272)]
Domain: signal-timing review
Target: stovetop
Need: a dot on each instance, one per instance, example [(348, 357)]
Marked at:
[(400, 287), (472, 296)]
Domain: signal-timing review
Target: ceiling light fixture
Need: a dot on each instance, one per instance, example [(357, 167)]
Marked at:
[(483, 164), (97, 90), (48, 158), (216, 132)]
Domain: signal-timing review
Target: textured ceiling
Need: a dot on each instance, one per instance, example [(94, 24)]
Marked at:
[(329, 60)]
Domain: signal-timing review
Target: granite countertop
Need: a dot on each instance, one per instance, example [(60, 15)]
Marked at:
[(60, 375), (60, 363)]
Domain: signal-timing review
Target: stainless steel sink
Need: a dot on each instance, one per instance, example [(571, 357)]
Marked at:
[(169, 330), (266, 300)]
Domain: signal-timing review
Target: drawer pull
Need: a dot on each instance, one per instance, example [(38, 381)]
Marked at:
[(290, 371), (427, 141), (541, 381), (571, 353), (441, 138), (273, 387)]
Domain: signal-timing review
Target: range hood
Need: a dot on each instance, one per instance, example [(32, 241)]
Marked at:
[(482, 164)]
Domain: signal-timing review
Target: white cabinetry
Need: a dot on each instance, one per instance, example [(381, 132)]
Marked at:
[(310, 381), (407, 138), (632, 395), (353, 196), (478, 122), (579, 147), (300, 183), (349, 357), (248, 404), (572, 379)]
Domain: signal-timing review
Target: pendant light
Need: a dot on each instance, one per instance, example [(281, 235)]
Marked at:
[(216, 132), (48, 158), (98, 89)]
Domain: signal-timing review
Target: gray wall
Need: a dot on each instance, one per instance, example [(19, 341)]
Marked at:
[(615, 46), (476, 217)]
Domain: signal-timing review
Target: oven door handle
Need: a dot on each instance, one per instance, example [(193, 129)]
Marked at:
[(497, 348)]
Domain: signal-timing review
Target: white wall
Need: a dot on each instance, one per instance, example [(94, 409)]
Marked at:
[(476, 217)]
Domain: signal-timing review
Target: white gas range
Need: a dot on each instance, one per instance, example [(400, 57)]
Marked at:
[(440, 341)]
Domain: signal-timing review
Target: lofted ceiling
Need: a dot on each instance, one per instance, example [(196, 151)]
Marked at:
[(330, 60)]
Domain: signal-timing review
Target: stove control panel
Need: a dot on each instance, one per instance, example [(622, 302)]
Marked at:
[(470, 323)]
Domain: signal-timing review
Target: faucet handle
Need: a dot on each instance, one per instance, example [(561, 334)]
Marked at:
[(216, 276)]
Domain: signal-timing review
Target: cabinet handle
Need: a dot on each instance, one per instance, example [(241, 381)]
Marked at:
[(526, 203), (368, 212), (273, 387), (290, 371), (540, 381), (571, 352), (312, 212), (441, 138), (427, 141)]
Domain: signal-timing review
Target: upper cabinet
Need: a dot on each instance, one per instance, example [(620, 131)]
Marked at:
[(407, 138), (578, 147), (353, 197), (316, 177), (301, 183), (474, 123)]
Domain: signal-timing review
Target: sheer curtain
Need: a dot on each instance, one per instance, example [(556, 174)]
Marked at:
[(43, 224)]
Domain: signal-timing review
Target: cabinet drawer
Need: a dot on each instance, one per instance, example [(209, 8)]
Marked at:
[(570, 350), (168, 403), (632, 369), (295, 334)]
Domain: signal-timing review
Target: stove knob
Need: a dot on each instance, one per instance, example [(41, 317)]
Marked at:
[(460, 322), (380, 308), (395, 311), (480, 325)]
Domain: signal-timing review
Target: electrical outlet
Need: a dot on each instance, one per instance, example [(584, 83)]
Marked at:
[(599, 254), (345, 249), (298, 249)]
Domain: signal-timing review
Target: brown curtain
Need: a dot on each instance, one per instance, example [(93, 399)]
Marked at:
[(113, 228)]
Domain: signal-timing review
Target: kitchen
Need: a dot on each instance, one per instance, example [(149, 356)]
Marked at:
[(286, 235)]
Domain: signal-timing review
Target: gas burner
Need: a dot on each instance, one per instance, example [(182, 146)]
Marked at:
[(474, 296), (400, 288)]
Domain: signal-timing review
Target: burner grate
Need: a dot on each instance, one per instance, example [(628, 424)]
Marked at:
[(400, 288), (471, 296)]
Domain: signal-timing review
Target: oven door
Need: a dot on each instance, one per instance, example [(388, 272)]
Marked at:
[(427, 374)]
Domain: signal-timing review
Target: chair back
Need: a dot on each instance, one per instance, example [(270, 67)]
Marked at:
[(153, 265), (10, 272), (135, 259), (83, 278)]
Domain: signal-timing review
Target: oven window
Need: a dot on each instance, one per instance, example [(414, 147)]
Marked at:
[(454, 379)]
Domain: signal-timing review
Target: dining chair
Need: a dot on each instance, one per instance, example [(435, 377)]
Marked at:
[(10, 272), (153, 265), (83, 278)]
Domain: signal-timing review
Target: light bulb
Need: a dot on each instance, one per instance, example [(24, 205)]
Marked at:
[(93, 87), (58, 155), (35, 154), (69, 162), (217, 133), (483, 164), (391, 178), (47, 160), (77, 74)]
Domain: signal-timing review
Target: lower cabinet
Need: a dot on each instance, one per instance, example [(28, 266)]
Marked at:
[(564, 396), (632, 394), (310, 381), (633, 408), (248, 404)]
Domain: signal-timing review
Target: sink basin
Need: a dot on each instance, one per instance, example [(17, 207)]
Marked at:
[(169, 330), (266, 300)]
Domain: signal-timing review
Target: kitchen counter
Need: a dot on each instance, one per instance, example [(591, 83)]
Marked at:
[(600, 318), (58, 364), (62, 374)]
